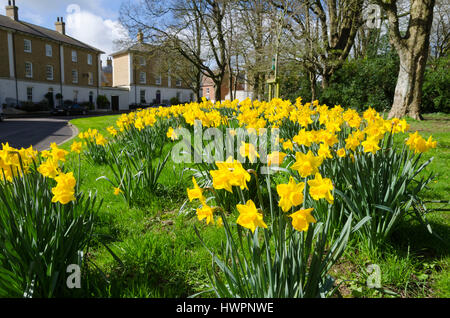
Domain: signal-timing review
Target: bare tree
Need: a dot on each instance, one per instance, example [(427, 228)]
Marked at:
[(325, 31), (440, 30), (193, 28)]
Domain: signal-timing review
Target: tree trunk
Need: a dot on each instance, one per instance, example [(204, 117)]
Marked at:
[(412, 50), (408, 91), (312, 81), (217, 91)]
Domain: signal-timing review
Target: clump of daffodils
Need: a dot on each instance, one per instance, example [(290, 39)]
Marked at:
[(15, 162)]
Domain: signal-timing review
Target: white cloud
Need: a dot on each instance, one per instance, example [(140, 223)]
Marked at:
[(94, 30)]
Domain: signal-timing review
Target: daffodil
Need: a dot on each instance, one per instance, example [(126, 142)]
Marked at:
[(196, 193), (307, 164), (248, 150), (275, 158), (291, 194), (249, 217), (371, 145), (76, 147), (171, 134), (301, 219), (320, 188), (205, 212), (65, 188), (117, 191)]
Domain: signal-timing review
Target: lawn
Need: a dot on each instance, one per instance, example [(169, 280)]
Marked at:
[(152, 250)]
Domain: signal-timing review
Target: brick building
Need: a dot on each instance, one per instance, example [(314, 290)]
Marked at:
[(38, 63), (140, 68)]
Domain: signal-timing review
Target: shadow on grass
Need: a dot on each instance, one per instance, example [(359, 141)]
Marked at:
[(135, 282), (412, 235)]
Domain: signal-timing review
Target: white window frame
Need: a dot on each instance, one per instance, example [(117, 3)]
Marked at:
[(91, 78), (47, 68), (28, 94), (158, 80), (48, 50), (140, 96), (27, 48), (178, 82), (74, 56), (29, 74), (89, 59), (142, 61), (75, 76), (143, 77)]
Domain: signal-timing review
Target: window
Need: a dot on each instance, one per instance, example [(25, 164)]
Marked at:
[(74, 76), (27, 46), (89, 59), (91, 78), (142, 61), (207, 90), (49, 72), (158, 80), (143, 101), (48, 50), (28, 69), (75, 96), (178, 82), (30, 94), (143, 77), (74, 56)]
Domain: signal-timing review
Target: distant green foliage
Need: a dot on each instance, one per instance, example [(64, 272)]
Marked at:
[(361, 83), (364, 82), (436, 87)]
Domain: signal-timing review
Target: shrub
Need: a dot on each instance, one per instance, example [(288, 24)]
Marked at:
[(102, 102), (174, 101)]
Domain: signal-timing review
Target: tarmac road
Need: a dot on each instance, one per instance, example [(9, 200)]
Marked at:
[(36, 132)]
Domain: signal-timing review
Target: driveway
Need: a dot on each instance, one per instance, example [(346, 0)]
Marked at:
[(36, 132)]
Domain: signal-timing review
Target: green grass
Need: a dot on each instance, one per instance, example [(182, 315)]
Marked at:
[(159, 255)]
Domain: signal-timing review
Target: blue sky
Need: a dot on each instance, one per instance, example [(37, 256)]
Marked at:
[(94, 22)]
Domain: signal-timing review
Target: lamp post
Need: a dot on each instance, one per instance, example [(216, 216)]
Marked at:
[(274, 82)]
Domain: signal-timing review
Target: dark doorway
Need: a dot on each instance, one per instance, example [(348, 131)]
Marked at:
[(115, 103), (158, 97), (91, 98), (51, 100)]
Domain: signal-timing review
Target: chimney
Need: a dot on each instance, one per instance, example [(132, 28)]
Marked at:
[(60, 25), (140, 36), (109, 61), (12, 11)]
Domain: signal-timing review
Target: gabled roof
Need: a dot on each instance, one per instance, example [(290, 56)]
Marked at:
[(32, 29)]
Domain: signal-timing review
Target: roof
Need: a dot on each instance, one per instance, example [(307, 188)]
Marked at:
[(42, 32), (138, 47)]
